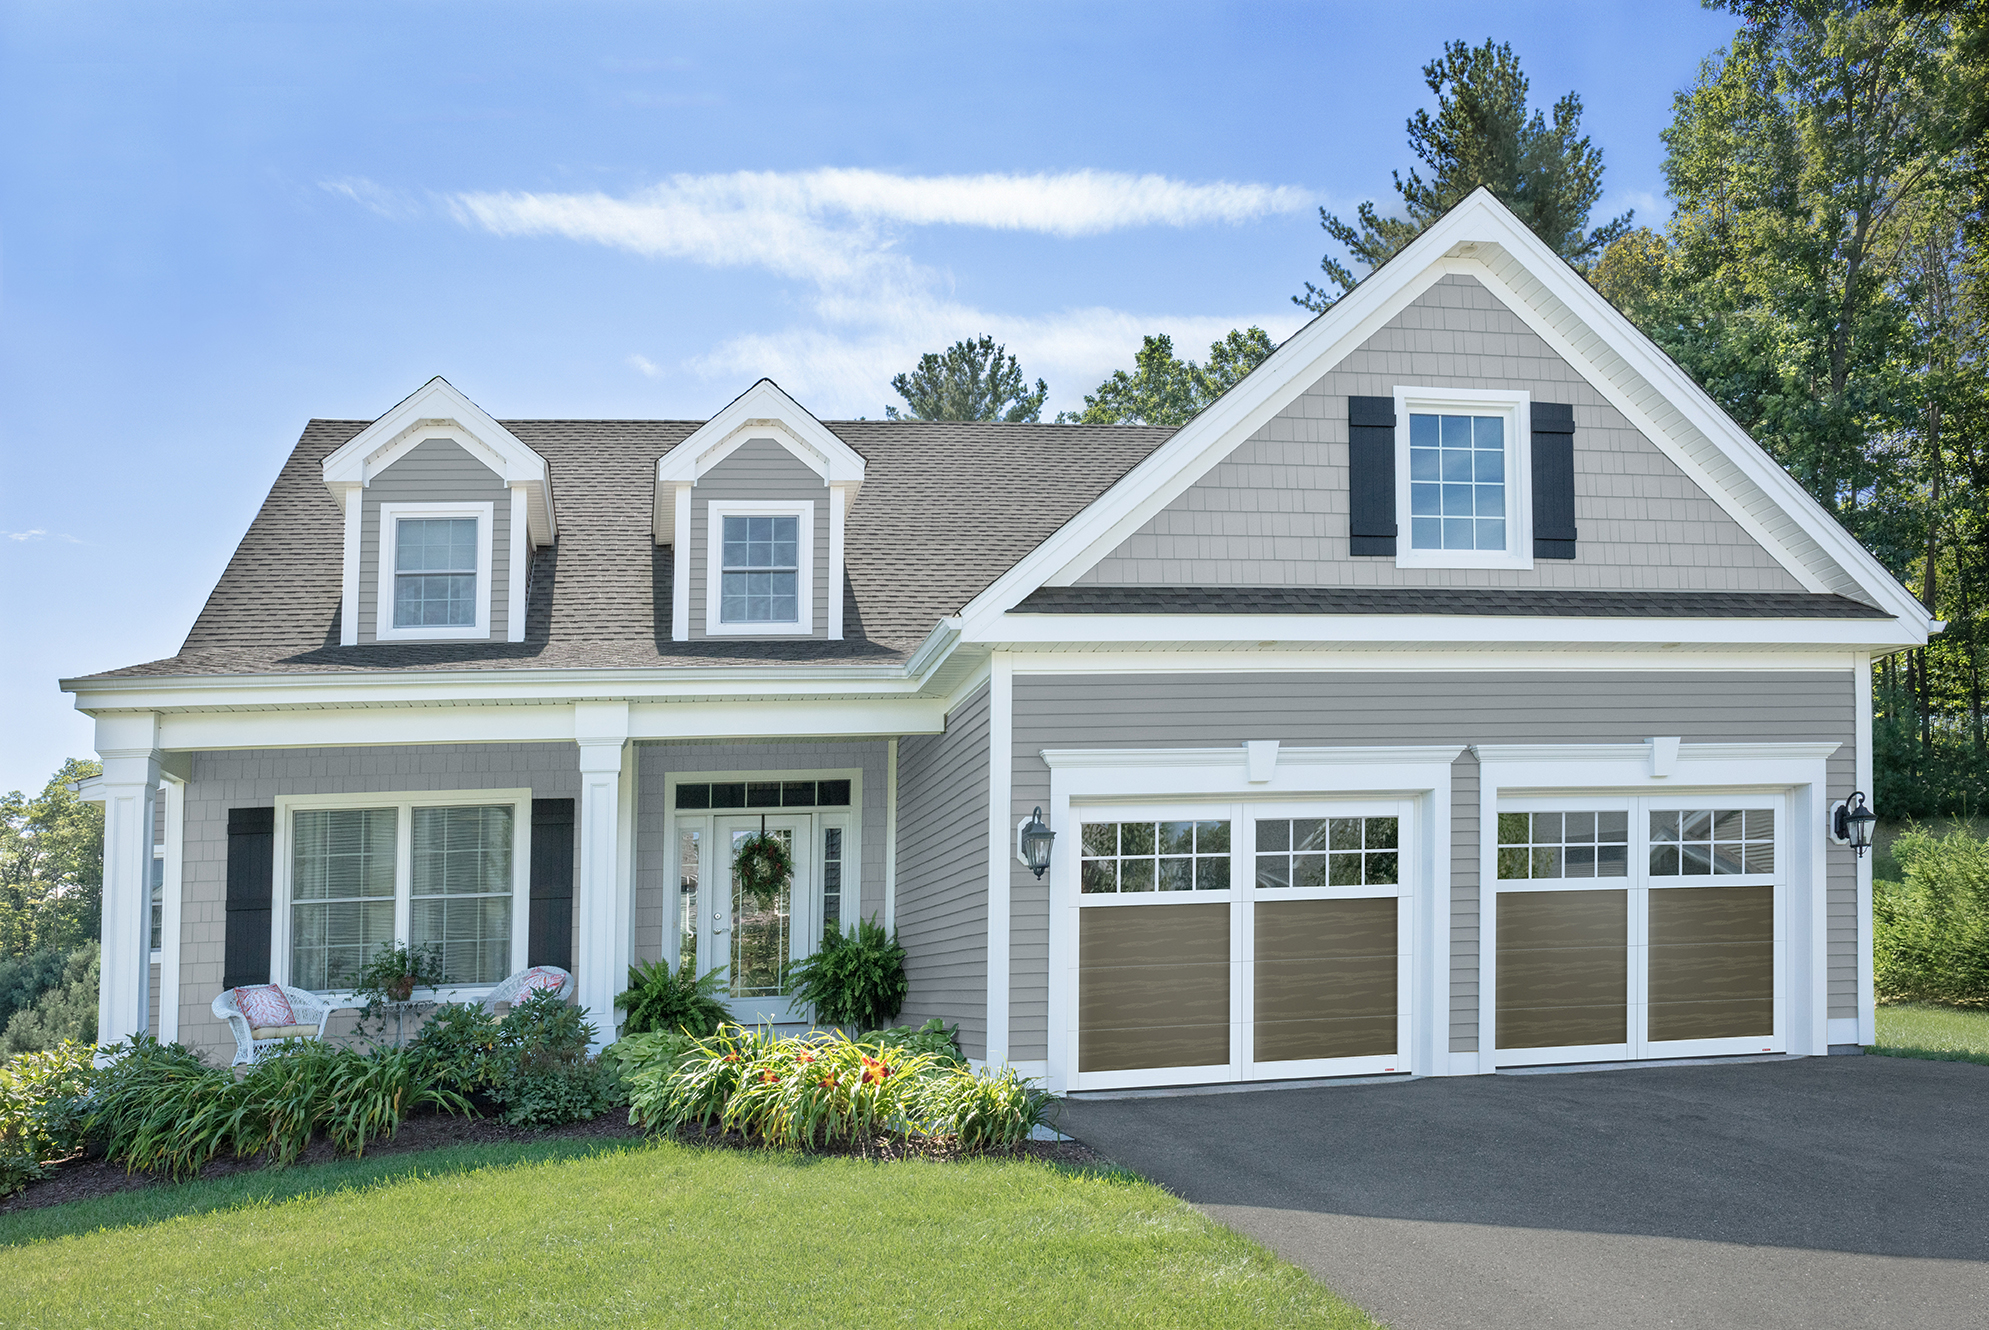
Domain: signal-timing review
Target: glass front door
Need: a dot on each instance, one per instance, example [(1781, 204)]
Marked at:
[(757, 938)]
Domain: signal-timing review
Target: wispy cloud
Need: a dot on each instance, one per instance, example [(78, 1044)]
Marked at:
[(39, 533), (392, 204), (875, 308)]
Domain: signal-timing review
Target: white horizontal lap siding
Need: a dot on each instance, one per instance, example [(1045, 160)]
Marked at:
[(758, 471), (654, 909), (942, 907), (1275, 512), (436, 471), (1224, 710), (253, 778)]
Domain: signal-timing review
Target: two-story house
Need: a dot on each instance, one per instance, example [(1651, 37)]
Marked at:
[(1463, 689)]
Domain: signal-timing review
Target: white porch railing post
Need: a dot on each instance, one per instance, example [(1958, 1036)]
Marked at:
[(128, 745), (601, 730)]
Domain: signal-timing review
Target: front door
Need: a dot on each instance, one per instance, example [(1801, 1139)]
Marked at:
[(758, 940)]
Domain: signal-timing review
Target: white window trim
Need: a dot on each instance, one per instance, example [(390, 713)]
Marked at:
[(383, 611), (1670, 770), (520, 802), (716, 511), (1517, 408), (1418, 775)]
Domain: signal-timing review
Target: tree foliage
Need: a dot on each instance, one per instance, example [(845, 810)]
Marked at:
[(1823, 278), (970, 380), (51, 865), (1162, 389), (1540, 165)]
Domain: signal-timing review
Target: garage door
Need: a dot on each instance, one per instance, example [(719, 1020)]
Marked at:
[(1241, 941), (1637, 928)]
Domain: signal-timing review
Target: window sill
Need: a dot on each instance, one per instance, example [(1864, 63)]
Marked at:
[(759, 630)]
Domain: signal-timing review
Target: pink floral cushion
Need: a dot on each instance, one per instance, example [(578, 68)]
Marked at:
[(539, 977), (264, 1004)]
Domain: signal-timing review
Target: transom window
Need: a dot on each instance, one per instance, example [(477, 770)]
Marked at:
[(1549, 845), (435, 572), (430, 876), (1155, 856), (1328, 852), (762, 569), (1457, 482), (765, 794), (1710, 842)]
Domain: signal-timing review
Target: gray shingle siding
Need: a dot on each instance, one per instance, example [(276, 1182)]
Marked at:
[(942, 910), (1276, 510), (436, 471), (653, 909), (758, 470), (1188, 710), (253, 778)]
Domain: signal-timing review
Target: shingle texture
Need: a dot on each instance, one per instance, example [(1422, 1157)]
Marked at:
[(945, 508), (1084, 599)]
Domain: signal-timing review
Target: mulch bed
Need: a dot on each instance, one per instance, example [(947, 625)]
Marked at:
[(90, 1175)]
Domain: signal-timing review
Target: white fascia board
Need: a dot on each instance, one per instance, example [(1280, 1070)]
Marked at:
[(444, 724), (1452, 244), (762, 411), (438, 409), (1518, 630), (1410, 658)]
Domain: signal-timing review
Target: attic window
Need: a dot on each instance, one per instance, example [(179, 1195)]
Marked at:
[(1461, 465), (435, 571), (760, 568)]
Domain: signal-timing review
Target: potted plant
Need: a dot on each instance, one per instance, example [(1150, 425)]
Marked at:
[(387, 981)]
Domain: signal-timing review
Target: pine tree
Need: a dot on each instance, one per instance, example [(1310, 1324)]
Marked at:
[(970, 380)]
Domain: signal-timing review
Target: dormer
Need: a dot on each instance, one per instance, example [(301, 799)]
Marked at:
[(752, 505), (443, 507)]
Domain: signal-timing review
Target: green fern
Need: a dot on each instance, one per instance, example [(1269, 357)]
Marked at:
[(857, 979)]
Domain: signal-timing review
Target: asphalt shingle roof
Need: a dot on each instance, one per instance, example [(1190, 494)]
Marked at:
[(945, 509)]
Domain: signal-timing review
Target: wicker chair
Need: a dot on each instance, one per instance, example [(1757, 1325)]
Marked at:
[(513, 988), (310, 1009)]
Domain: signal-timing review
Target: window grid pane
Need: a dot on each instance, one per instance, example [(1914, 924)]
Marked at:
[(1155, 856), (1586, 844), (761, 575), (1328, 852), (687, 889), (462, 890), (832, 878), (1457, 482), (1711, 842)]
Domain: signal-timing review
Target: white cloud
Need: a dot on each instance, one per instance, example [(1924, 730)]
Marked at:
[(874, 308), (40, 533), (391, 204)]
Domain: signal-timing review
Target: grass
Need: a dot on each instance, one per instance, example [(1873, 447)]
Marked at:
[(1926, 1030), (649, 1234)]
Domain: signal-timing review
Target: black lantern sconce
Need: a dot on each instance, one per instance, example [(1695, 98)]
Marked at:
[(1032, 843), (1851, 822)]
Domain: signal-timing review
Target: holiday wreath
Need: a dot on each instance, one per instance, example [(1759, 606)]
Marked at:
[(762, 868)]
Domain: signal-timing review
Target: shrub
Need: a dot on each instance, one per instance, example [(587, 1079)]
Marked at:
[(159, 1108), (66, 1011), (856, 979), (934, 1038), (657, 999), (542, 1073), (41, 1116), (1931, 932), (830, 1090), (23, 979), (458, 1046)]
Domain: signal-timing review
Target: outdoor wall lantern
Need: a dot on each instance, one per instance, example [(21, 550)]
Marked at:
[(1851, 823), (1032, 843)]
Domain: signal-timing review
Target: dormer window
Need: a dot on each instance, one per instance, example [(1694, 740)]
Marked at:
[(435, 574), (761, 571)]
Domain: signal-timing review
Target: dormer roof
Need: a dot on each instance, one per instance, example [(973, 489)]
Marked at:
[(763, 411), (438, 408)]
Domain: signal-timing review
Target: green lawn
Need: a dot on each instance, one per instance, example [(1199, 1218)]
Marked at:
[(651, 1234), (1923, 1030)]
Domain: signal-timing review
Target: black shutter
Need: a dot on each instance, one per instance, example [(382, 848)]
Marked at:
[(1371, 475), (251, 874), (551, 937), (1553, 481)]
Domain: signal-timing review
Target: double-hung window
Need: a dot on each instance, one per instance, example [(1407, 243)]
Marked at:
[(762, 568), (435, 571), (441, 873), (1462, 467)]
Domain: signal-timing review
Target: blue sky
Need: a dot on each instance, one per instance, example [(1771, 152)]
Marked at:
[(217, 221)]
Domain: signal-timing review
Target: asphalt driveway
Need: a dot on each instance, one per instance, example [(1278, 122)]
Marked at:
[(1822, 1192)]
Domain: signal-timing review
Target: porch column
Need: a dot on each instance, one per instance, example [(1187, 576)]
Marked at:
[(601, 730), (128, 745)]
